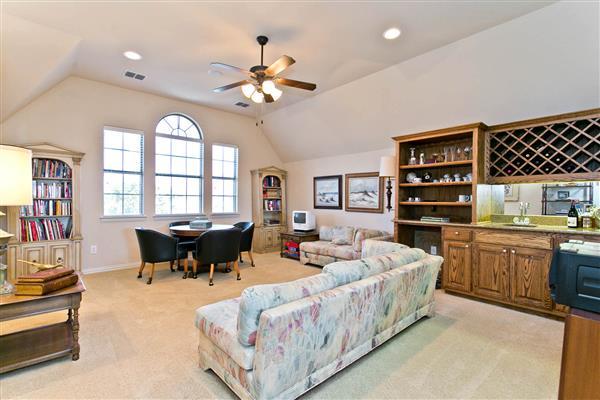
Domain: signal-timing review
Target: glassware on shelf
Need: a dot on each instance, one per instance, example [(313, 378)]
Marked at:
[(467, 152), (446, 154), (413, 159), (422, 158)]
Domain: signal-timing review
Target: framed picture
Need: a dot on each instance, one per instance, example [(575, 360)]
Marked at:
[(563, 194), (327, 192), (364, 192), (511, 193)]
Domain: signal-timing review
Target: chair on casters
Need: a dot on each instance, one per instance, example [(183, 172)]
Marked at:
[(185, 242), (217, 246), (157, 247), (246, 241)]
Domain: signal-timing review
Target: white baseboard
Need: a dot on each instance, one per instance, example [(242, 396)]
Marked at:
[(107, 268)]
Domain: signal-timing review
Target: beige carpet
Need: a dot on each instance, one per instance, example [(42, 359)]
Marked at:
[(139, 341)]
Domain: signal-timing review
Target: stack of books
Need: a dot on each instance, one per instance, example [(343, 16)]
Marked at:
[(44, 282), (434, 219)]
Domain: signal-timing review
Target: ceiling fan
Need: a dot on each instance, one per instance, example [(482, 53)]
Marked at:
[(261, 83)]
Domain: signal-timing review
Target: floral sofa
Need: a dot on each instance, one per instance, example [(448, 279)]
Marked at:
[(338, 243), (278, 341)]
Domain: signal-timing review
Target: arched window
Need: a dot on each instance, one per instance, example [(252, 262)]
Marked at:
[(179, 166)]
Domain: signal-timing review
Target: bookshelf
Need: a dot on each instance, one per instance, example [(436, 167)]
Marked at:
[(48, 231), (268, 207)]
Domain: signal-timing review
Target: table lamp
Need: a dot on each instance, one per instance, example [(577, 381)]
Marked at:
[(387, 169), (15, 190)]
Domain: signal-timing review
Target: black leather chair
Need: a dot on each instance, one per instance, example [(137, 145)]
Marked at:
[(218, 246), (157, 247), (246, 241), (185, 242)]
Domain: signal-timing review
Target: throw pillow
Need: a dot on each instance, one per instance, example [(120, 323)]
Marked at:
[(342, 235)]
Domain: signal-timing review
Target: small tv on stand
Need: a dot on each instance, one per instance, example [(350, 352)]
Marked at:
[(303, 221)]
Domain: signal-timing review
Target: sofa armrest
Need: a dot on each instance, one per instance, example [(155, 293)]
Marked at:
[(379, 246)]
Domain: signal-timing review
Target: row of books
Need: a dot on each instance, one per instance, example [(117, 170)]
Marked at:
[(46, 281), (45, 208), (50, 168), (272, 205), (271, 181), (52, 189), (33, 230), (269, 192)]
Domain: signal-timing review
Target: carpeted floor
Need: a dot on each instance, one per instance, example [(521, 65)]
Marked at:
[(139, 341)]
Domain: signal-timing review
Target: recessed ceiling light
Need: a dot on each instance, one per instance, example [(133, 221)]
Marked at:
[(132, 55), (392, 33)]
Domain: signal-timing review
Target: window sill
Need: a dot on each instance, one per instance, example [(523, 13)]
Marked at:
[(121, 217), (171, 216), (232, 214)]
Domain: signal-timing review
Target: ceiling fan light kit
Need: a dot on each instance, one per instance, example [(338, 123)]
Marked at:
[(260, 87)]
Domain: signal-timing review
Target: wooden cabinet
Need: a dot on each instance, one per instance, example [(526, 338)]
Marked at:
[(269, 202), (491, 271), (59, 254), (529, 277), (457, 266)]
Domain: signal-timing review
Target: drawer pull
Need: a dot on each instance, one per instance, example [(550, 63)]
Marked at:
[(504, 250), (466, 246), (456, 232), (513, 251)]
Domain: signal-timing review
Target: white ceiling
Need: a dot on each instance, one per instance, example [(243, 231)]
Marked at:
[(332, 43)]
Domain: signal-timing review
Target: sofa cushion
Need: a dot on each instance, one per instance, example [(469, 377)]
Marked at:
[(256, 299), (346, 272), (326, 233), (343, 235), (372, 247), (324, 248), (218, 323), (362, 234)]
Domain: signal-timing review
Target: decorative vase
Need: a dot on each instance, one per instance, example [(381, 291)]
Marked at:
[(5, 286)]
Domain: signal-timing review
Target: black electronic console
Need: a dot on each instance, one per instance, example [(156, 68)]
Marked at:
[(574, 277)]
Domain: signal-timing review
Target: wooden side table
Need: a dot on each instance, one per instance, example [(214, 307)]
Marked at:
[(297, 237), (32, 346)]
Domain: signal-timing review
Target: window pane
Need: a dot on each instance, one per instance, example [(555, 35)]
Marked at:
[(132, 141), (113, 139), (228, 170), (163, 204), (229, 153), (132, 184), (193, 166), (193, 186), (217, 168), (173, 121), (193, 149), (163, 127), (178, 147), (217, 152), (179, 186), (163, 164), (178, 165), (132, 161), (228, 204), (179, 205), (131, 205), (228, 188), (163, 145), (217, 204), (163, 185), (217, 186), (193, 204), (112, 159), (112, 204), (184, 123), (193, 133), (113, 183)]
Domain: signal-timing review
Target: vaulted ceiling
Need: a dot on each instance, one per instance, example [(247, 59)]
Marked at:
[(333, 43)]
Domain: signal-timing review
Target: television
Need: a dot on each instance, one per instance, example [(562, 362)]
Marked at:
[(303, 221)]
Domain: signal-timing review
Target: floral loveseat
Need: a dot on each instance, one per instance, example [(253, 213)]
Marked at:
[(338, 243), (278, 341)]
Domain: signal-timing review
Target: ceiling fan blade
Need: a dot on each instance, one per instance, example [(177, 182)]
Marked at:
[(230, 86), (282, 63), (268, 98), (296, 84), (232, 68)]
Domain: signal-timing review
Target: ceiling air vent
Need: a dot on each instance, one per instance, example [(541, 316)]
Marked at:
[(135, 75), (242, 104)]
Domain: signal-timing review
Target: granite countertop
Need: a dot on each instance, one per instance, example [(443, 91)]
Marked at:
[(537, 228)]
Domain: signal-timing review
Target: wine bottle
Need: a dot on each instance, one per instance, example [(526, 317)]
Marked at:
[(572, 216)]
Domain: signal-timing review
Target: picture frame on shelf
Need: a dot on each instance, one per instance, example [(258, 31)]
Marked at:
[(511, 192), (327, 192), (563, 194), (364, 192)]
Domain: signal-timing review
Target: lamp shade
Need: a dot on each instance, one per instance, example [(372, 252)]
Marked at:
[(15, 176), (387, 166)]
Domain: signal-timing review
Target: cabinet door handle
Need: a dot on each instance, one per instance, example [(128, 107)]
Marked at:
[(456, 232), (513, 251), (467, 246), (504, 250)]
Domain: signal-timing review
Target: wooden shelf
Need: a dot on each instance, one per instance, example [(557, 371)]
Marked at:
[(438, 165), (45, 216), (53, 198), (425, 184), (436, 203), (42, 178)]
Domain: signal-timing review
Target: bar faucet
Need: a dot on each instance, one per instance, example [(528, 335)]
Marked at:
[(523, 207)]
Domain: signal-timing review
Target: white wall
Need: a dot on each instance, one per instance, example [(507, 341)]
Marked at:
[(544, 63), (72, 115)]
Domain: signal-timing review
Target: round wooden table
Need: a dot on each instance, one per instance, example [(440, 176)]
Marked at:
[(186, 231)]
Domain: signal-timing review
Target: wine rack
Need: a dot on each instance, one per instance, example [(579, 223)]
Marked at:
[(566, 147)]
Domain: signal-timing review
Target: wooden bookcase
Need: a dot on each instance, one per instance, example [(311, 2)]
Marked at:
[(269, 202), (49, 231)]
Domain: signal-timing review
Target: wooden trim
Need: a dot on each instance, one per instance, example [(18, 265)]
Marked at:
[(438, 165), (462, 183), (584, 176), (436, 203), (454, 130), (593, 112), (347, 192)]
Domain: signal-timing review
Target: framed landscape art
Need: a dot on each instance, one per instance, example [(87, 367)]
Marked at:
[(327, 192), (364, 192)]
